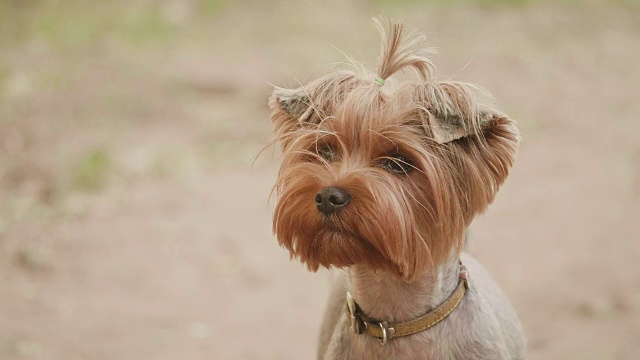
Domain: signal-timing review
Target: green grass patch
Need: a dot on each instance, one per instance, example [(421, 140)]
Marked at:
[(4, 73), (69, 24), (212, 7), (400, 3), (92, 170), (72, 26), (144, 26)]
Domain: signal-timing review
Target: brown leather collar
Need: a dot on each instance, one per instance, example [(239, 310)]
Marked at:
[(383, 330)]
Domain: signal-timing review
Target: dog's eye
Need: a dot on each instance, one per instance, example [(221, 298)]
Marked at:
[(397, 164), (327, 152)]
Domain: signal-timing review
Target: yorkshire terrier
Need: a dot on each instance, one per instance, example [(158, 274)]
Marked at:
[(383, 182)]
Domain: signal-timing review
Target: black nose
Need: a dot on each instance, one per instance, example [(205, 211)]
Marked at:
[(330, 199)]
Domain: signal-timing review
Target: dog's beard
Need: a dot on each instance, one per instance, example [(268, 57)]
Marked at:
[(377, 228), (330, 242), (333, 247)]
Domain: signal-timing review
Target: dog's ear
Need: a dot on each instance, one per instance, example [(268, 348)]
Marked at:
[(294, 103), (290, 109), (450, 112), (309, 104), (449, 127)]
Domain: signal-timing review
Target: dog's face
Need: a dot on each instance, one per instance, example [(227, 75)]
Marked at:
[(389, 180)]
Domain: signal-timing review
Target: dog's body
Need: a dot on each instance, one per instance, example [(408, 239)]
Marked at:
[(483, 326), (384, 182)]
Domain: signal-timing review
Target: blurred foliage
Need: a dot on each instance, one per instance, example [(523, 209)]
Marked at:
[(72, 26), (497, 3), (66, 24), (455, 2), (213, 7), (69, 24), (4, 72), (91, 171)]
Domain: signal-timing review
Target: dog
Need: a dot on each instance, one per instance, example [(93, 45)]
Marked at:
[(383, 181)]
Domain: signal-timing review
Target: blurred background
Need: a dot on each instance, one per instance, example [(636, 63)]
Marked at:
[(133, 224)]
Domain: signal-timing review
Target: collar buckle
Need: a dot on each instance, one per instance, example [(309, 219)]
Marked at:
[(388, 332)]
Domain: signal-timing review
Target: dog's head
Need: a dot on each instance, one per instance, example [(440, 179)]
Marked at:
[(386, 179)]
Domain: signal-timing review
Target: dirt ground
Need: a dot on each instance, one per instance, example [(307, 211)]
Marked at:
[(134, 223)]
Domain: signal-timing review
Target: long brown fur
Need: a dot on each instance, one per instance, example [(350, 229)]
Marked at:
[(460, 149)]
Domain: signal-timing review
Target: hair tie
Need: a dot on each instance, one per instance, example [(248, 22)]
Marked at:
[(380, 81)]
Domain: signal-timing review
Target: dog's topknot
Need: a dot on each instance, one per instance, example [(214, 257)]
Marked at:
[(402, 48)]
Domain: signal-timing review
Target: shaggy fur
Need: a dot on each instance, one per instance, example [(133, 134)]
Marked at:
[(420, 161)]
